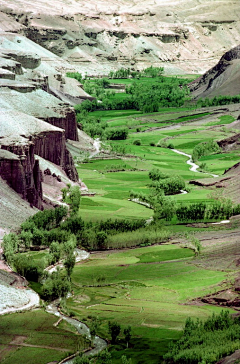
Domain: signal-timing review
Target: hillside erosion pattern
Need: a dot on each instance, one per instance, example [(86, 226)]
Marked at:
[(222, 79), (25, 137), (183, 36)]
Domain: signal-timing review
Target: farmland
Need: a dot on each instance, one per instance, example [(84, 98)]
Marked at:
[(170, 269)]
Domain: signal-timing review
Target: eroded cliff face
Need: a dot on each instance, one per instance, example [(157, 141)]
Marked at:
[(183, 36), (20, 170), (23, 139), (222, 79), (36, 120)]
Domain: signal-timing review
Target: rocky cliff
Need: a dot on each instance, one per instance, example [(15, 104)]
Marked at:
[(23, 138), (22, 173), (222, 79), (183, 36), (36, 120)]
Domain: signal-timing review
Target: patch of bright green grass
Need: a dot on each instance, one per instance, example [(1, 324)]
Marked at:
[(37, 329), (164, 255), (224, 119), (146, 289)]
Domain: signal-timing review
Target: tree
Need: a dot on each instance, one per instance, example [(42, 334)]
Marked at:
[(26, 237), (55, 252), (74, 199), (101, 238), (125, 360), (38, 237), (93, 327), (10, 245), (127, 333), (69, 263), (56, 285), (104, 357), (114, 330)]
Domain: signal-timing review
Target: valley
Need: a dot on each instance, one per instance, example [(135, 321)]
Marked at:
[(154, 289), (119, 182)]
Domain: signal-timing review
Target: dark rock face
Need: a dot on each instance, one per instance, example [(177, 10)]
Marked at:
[(27, 60), (52, 147), (22, 173), (19, 145), (66, 122), (222, 79)]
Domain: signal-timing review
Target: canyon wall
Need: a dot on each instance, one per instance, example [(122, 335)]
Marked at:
[(23, 139), (184, 36), (222, 79)]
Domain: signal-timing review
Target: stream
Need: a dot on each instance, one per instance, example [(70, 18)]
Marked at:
[(96, 145), (99, 343), (193, 165)]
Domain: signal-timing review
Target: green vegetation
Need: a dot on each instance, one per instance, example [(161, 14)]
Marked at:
[(198, 343), (46, 342), (204, 149), (143, 288), (139, 299), (219, 100)]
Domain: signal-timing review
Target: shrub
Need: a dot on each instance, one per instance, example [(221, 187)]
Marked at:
[(137, 142), (205, 148), (117, 133)]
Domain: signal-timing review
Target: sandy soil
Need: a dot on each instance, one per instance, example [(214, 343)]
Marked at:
[(13, 299)]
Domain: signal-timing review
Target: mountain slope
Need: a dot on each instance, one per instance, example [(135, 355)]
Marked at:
[(222, 79), (184, 35)]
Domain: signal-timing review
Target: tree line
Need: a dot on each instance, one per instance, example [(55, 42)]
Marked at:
[(160, 199), (218, 100), (198, 342)]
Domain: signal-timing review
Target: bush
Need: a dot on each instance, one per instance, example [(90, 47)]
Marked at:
[(137, 142), (117, 133), (205, 148)]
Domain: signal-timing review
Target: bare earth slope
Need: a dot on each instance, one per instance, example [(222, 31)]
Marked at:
[(184, 35), (222, 79), (34, 128)]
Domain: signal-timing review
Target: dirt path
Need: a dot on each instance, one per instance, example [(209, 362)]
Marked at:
[(18, 342)]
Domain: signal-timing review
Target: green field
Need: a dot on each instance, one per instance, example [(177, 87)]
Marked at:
[(29, 335), (153, 288), (184, 128), (148, 288)]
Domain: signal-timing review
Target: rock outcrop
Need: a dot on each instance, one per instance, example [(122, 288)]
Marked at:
[(222, 79), (25, 137), (22, 174), (183, 36), (35, 126)]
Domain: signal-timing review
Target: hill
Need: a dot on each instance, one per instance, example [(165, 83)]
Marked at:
[(222, 79), (183, 36)]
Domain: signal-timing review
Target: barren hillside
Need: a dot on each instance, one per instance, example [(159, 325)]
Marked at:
[(183, 36), (222, 79)]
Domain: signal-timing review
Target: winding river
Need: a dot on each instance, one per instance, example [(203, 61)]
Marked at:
[(193, 165), (98, 342), (32, 299)]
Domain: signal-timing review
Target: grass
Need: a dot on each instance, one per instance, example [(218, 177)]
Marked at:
[(222, 120), (146, 288), (46, 342)]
